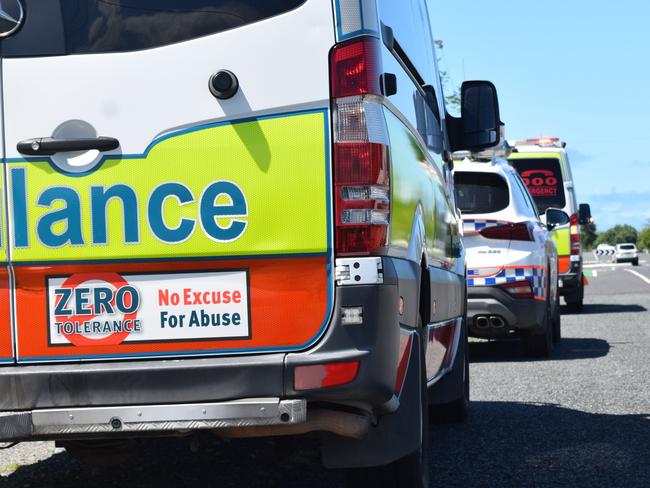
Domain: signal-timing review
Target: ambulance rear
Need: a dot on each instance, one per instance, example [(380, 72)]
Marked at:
[(543, 164), (235, 216)]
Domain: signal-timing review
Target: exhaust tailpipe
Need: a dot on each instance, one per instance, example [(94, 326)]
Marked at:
[(497, 322), (482, 322)]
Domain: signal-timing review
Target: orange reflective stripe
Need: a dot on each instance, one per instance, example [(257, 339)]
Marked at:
[(564, 264), (288, 306)]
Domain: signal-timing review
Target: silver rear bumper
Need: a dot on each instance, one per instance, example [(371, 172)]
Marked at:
[(51, 423)]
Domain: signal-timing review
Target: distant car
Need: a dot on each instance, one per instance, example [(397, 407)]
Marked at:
[(627, 253), (512, 261)]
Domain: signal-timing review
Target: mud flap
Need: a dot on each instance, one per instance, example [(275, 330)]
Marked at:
[(395, 435), (451, 387)]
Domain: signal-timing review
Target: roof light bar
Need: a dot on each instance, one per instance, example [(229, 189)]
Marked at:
[(539, 141)]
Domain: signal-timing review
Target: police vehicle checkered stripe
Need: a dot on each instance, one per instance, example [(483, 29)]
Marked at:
[(535, 276), (471, 225)]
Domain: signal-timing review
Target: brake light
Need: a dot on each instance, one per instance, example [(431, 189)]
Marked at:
[(518, 289), (574, 233), (521, 231), (355, 68), (361, 158)]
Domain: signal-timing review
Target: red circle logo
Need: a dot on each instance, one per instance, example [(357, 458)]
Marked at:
[(78, 339)]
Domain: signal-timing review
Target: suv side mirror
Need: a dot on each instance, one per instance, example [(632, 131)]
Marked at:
[(584, 214), (556, 217), (480, 119)]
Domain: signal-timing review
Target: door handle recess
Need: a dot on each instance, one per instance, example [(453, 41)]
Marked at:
[(47, 146)]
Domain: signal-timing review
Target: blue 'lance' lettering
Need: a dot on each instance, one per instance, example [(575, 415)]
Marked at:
[(161, 230), (211, 211), (70, 215), (19, 207), (222, 213), (100, 197)]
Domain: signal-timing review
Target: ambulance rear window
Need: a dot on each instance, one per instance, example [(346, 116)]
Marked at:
[(543, 177), (478, 193), (58, 27)]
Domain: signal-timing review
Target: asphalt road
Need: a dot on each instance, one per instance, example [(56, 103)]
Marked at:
[(579, 419)]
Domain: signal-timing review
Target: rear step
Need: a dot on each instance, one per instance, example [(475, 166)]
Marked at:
[(254, 417), (55, 422)]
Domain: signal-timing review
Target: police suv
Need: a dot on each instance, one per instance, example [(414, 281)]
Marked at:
[(511, 257), (232, 215)]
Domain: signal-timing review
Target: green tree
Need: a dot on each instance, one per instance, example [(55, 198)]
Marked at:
[(617, 235), (644, 237), (588, 236)]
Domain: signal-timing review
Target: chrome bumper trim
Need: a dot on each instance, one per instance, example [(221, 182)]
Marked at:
[(151, 418)]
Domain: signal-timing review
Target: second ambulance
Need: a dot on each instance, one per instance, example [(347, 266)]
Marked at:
[(544, 166)]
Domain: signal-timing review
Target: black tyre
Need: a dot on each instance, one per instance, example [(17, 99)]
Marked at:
[(557, 323), (540, 344), (575, 300), (635, 262), (411, 471)]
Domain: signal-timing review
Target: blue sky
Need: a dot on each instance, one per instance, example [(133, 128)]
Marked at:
[(575, 69)]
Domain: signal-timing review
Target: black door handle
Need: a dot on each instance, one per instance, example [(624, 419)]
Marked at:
[(46, 146)]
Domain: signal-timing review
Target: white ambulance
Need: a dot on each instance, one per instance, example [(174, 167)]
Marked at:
[(232, 215)]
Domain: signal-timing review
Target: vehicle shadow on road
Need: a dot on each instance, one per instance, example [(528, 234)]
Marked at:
[(515, 444), (178, 463), (504, 444), (511, 350), (602, 308)]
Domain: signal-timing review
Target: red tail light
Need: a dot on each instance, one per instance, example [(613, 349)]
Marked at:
[(361, 159), (518, 289), (355, 68), (574, 232), (514, 232)]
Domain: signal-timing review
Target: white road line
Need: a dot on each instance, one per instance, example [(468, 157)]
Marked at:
[(595, 274), (644, 278), (606, 265)]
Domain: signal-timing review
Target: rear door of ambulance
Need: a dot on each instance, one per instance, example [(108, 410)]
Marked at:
[(142, 215), (543, 174)]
